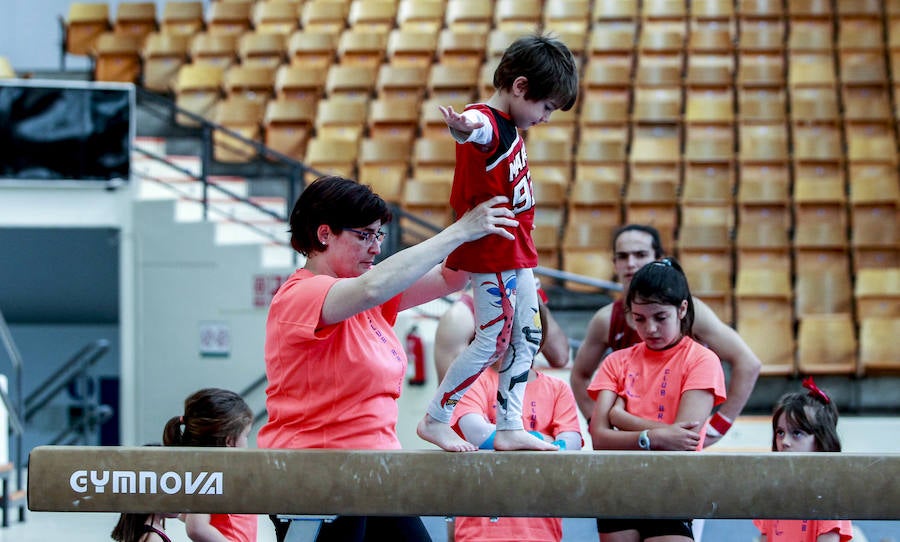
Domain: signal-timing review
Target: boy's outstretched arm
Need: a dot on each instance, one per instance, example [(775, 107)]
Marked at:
[(459, 123)]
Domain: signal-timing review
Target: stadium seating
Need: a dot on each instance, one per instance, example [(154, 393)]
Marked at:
[(759, 136)]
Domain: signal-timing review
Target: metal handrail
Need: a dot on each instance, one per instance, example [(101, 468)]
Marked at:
[(95, 416), (14, 412), (15, 357), (53, 385), (297, 168), (580, 279)]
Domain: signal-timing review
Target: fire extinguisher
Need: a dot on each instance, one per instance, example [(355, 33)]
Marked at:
[(415, 352)]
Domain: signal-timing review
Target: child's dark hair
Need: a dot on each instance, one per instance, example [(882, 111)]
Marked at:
[(211, 417), (655, 241), (338, 202), (547, 64), (130, 527), (813, 413), (662, 282)]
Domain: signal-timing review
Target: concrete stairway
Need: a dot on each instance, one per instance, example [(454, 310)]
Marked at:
[(239, 218)]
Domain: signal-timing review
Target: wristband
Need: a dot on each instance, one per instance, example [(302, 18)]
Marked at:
[(719, 423)]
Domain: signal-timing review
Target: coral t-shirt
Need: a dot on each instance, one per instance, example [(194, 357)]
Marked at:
[(235, 527), (802, 530), (331, 386), (652, 381), (549, 408)]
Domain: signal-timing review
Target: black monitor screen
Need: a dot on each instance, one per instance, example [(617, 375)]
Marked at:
[(77, 131)]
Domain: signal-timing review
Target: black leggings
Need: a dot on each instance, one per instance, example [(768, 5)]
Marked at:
[(363, 529)]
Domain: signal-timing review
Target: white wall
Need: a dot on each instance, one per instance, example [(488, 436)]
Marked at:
[(30, 33), (180, 280), (86, 205)]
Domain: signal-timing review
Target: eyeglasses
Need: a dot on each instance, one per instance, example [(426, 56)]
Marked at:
[(368, 236)]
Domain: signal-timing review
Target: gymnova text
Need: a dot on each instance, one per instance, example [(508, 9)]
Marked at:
[(146, 482)]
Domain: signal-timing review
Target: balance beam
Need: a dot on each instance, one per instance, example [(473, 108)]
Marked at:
[(434, 483)]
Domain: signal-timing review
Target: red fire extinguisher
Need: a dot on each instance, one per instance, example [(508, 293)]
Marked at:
[(415, 352)]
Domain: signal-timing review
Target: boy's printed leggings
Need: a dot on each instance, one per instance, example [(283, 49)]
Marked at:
[(507, 328)]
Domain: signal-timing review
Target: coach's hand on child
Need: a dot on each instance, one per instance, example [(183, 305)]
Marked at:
[(487, 218)]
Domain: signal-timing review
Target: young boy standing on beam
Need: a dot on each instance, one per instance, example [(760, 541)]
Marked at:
[(536, 76)]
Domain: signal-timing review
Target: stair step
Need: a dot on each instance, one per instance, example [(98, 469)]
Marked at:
[(186, 167), (154, 188), (155, 145), (230, 232), (188, 210)]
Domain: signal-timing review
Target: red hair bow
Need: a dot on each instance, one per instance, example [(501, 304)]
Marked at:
[(814, 390)]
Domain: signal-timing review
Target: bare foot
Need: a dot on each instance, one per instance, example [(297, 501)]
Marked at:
[(442, 435), (521, 440)]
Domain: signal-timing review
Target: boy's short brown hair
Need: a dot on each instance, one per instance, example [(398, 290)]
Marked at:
[(548, 65)]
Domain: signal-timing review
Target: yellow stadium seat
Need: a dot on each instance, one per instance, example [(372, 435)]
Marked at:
[(878, 346), (350, 82), (299, 83), (182, 18), (332, 156), (163, 55), (228, 18), (434, 158), (411, 47), (254, 83), (215, 49), (267, 50), (421, 15), (280, 18), (244, 117), (826, 344), (288, 125), (339, 118), (311, 49), (117, 57), (362, 47), (517, 15), (324, 17), (461, 48), (877, 293), (83, 25), (372, 15), (427, 201), (384, 165), (197, 89), (135, 19), (393, 120)]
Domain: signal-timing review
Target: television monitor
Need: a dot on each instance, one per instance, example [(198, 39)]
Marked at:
[(65, 130)]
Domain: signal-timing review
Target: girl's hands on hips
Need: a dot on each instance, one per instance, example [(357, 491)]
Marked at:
[(490, 217), (678, 437)]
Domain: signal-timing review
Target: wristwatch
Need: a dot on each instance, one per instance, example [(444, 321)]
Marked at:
[(644, 440)]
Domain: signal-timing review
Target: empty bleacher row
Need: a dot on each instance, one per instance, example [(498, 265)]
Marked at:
[(759, 136)]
